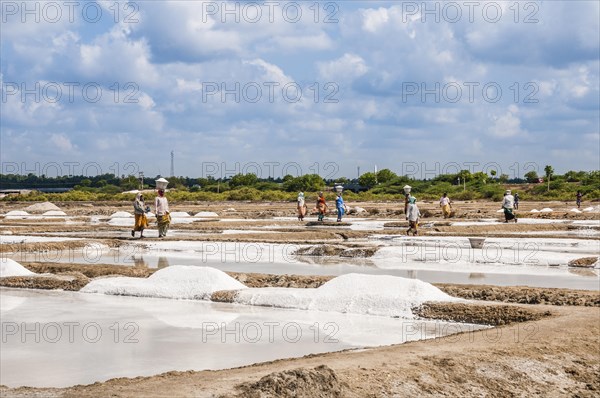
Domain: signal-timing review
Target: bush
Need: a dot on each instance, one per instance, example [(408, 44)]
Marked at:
[(244, 194), (464, 195)]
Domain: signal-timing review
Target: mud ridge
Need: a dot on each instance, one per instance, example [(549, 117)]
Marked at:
[(493, 315), (319, 382), (336, 250)]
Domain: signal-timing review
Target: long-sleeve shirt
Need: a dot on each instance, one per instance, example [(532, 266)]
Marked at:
[(162, 205), (508, 202), (413, 213), (138, 207)]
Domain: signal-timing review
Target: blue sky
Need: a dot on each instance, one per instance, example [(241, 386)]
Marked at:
[(417, 87)]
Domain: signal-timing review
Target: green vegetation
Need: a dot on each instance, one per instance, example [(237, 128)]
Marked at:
[(384, 185)]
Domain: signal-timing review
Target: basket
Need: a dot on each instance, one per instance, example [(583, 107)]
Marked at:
[(476, 243), (161, 183)]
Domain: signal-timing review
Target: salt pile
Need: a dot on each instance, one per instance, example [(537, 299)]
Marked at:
[(54, 213), (17, 213), (381, 295), (592, 209), (42, 207), (121, 214), (179, 214), (546, 210), (575, 210), (177, 281), (206, 214), (10, 267), (534, 211)]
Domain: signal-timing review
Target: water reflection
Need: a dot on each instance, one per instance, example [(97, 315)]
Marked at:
[(139, 261), (328, 260), (476, 275), (162, 262), (586, 272)]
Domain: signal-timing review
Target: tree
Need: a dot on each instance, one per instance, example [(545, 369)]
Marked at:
[(549, 172), (493, 173), (240, 180), (385, 175), (532, 177), (480, 177), (305, 183), (129, 183), (368, 180)]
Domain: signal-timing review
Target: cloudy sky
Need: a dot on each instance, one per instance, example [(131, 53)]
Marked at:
[(299, 87)]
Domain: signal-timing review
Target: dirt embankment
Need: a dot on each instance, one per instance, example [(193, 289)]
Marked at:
[(493, 315), (337, 250), (34, 247), (522, 294)]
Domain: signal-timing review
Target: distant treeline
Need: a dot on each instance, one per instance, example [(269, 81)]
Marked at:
[(383, 185)]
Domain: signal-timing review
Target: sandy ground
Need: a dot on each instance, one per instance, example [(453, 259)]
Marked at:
[(547, 344)]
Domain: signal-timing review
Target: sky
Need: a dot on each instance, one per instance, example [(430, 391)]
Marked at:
[(335, 88)]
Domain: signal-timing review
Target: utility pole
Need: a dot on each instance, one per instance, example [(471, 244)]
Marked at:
[(141, 175), (172, 164)]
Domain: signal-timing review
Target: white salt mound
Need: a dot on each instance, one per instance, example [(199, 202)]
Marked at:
[(546, 210), (54, 213), (10, 267), (534, 211), (177, 281), (206, 214), (500, 211), (41, 207), (179, 214), (382, 295), (121, 214), (592, 209), (16, 213), (575, 210)]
